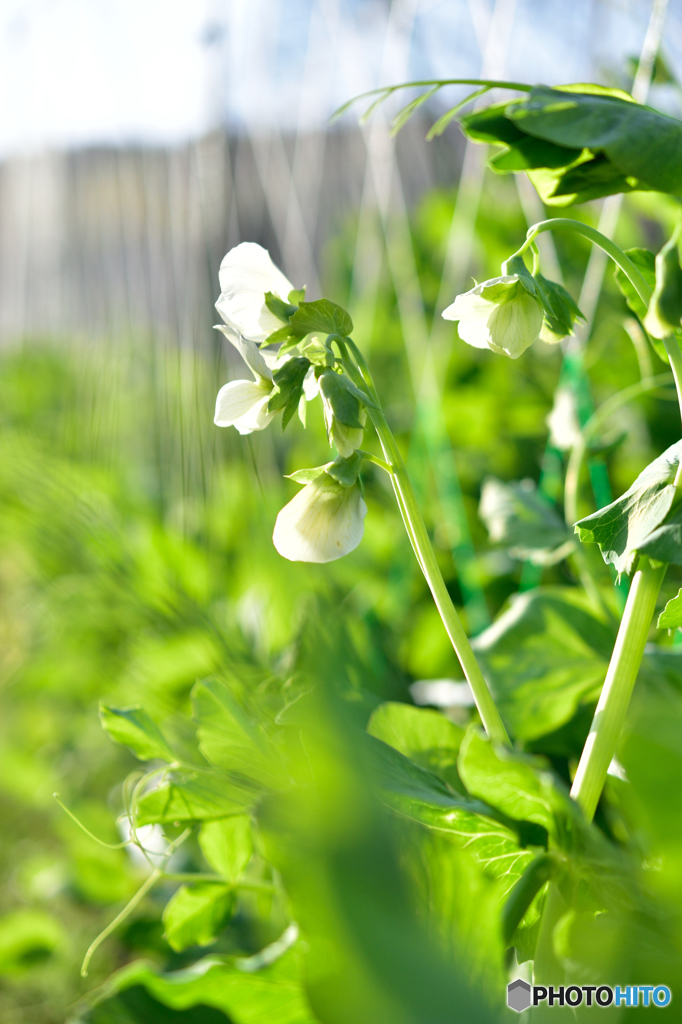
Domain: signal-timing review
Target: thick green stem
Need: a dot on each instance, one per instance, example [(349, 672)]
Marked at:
[(600, 747), (423, 549)]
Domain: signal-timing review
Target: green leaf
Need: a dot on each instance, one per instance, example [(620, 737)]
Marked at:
[(195, 798), (345, 471), (671, 616), (545, 656), (522, 895), (133, 728), (306, 476), (196, 914), (428, 738), (638, 141), (664, 544), (288, 387), (561, 312), (645, 262), (517, 517), (344, 405), (28, 937), (519, 786), (279, 308), (273, 994), (227, 845), (283, 334), (296, 296), (491, 836), (622, 528), (321, 315), (665, 308), (230, 739)]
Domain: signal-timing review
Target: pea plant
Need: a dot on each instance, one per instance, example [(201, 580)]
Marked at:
[(408, 867)]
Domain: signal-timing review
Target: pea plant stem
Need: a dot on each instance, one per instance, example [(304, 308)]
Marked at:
[(609, 717), (423, 549)]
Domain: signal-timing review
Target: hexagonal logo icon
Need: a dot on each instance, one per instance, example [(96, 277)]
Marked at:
[(518, 995)]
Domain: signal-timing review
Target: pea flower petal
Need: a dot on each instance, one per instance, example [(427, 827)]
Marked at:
[(243, 404), (499, 314), (323, 522), (246, 274)]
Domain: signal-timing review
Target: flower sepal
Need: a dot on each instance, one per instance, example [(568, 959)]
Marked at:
[(288, 387), (560, 311)]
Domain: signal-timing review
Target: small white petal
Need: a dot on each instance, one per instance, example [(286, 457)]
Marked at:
[(564, 429), (246, 273), (515, 324), (324, 521), (243, 404), (250, 353)]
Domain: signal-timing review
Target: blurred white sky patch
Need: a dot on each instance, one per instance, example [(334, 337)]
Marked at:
[(82, 72), (75, 72)]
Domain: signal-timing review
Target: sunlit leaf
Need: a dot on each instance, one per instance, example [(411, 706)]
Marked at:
[(227, 845), (194, 798), (517, 517), (196, 913), (622, 528), (134, 728)]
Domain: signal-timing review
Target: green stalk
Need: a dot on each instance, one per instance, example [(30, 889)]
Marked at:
[(609, 717), (423, 549)]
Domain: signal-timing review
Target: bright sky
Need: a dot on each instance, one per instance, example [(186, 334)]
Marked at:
[(76, 72)]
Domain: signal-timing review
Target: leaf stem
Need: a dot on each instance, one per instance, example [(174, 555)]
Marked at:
[(600, 747), (421, 543)]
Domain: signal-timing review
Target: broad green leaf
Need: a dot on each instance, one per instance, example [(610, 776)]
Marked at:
[(195, 798), (517, 517), (230, 739), (227, 845), (345, 471), (135, 729), (640, 142), (296, 296), (519, 786), (288, 387), (588, 177), (623, 527), (344, 405), (494, 840), (196, 914), (671, 616), (664, 544), (321, 315), (428, 738), (272, 994), (544, 657)]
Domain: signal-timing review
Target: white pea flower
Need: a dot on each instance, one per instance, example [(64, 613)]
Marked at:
[(500, 314), (244, 403), (246, 274), (324, 521)]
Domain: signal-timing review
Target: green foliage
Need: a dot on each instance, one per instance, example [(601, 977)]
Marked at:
[(288, 387), (135, 729), (227, 845), (545, 656), (196, 914), (321, 315), (671, 616), (561, 312), (524, 522), (343, 403), (628, 526)]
